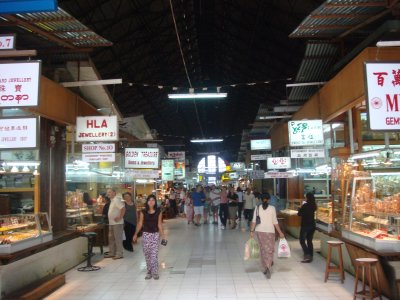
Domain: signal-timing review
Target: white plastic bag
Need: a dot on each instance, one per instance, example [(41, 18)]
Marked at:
[(283, 248), (251, 249)]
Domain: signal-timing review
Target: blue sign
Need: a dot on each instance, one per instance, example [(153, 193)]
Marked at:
[(27, 6)]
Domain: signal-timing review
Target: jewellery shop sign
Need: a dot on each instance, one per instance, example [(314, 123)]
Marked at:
[(141, 158), (19, 84), (383, 93), (97, 129)]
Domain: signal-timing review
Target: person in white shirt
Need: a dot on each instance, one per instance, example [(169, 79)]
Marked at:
[(265, 232), (215, 201), (249, 204), (116, 214)]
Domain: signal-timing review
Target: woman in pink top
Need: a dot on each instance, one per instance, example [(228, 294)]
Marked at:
[(223, 207)]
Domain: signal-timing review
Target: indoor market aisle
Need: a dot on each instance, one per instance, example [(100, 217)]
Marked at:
[(204, 263)]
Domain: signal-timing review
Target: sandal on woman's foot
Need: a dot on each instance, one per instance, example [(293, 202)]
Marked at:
[(148, 276), (156, 277)]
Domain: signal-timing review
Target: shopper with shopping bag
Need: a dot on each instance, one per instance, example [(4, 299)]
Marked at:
[(264, 224), (251, 249)]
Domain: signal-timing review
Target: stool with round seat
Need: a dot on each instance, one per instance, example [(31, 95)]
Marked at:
[(91, 236), (332, 268), (365, 266)]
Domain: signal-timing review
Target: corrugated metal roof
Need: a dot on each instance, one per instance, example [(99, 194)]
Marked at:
[(318, 58), (65, 27), (335, 17)]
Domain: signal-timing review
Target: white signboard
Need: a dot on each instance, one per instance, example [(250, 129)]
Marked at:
[(307, 153), (141, 158), (238, 166), (264, 144), (97, 148), (19, 84), (278, 163), (256, 174), (278, 175), (167, 169), (98, 157), (7, 41), (96, 128), (305, 133), (179, 155), (383, 95), (18, 133), (142, 174), (260, 156)]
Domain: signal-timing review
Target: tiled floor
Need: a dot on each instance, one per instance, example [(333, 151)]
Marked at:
[(204, 263)]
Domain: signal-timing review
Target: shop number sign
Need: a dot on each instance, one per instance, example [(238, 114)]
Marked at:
[(91, 148), (383, 95), (7, 42), (305, 133), (141, 158), (278, 163), (19, 84)]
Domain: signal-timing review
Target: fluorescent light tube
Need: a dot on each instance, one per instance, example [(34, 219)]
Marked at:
[(388, 44), (365, 155), (197, 96), (206, 140)]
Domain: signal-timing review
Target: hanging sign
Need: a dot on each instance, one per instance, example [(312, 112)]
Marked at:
[(18, 133), (167, 169), (179, 155), (7, 41), (264, 144), (307, 153), (98, 157), (256, 174), (141, 158), (260, 156), (19, 84), (278, 175), (27, 6), (305, 133), (278, 163), (142, 174), (383, 95), (97, 148), (180, 170), (238, 166), (96, 128)]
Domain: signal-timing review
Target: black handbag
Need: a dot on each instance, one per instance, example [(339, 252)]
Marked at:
[(258, 219)]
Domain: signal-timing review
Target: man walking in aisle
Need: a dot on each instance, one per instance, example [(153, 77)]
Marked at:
[(198, 198), (116, 214)]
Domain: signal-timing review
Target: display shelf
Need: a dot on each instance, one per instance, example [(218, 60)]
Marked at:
[(16, 190), (14, 227)]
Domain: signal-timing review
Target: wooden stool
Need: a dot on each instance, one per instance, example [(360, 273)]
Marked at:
[(334, 269), (364, 265)]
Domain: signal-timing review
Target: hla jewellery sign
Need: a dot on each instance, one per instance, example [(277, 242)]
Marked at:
[(18, 133), (383, 92), (19, 84), (141, 158), (305, 133), (278, 163), (96, 128)]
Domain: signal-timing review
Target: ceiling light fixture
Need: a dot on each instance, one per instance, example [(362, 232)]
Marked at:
[(198, 96), (206, 140), (388, 44), (305, 84)]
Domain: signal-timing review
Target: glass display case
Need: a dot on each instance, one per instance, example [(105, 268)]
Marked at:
[(324, 215), (318, 184), (372, 213), (18, 232)]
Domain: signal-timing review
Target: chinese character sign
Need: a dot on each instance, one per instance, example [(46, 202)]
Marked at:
[(141, 158), (305, 133), (19, 84), (274, 163), (18, 133), (167, 169), (383, 93), (307, 153)]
